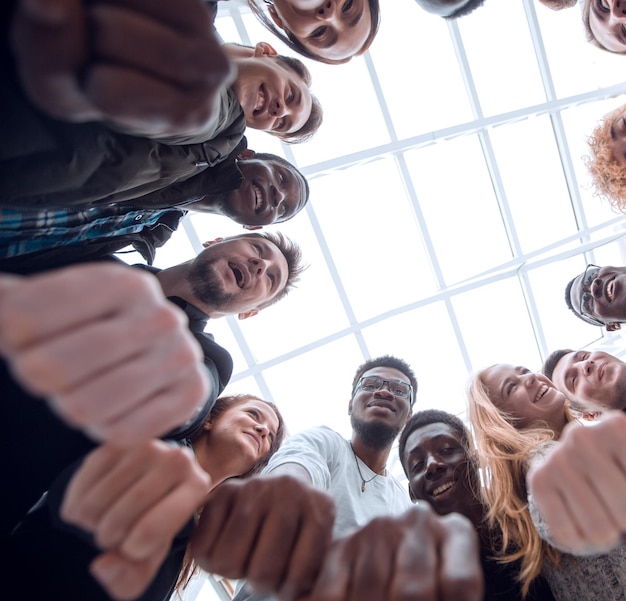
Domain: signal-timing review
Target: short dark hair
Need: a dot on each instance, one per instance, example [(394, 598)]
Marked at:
[(386, 361), (466, 9), (292, 253), (550, 363), (267, 156), (258, 9), (433, 416)]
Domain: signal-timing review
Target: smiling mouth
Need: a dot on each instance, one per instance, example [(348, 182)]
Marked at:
[(609, 291), (441, 489), (542, 392), (388, 406), (238, 273), (259, 199), (261, 101), (256, 440)]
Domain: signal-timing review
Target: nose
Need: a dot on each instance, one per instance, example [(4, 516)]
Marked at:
[(529, 379), (434, 467), (258, 266), (278, 196), (385, 390), (596, 287), (586, 366), (327, 10), (277, 108), (262, 429)]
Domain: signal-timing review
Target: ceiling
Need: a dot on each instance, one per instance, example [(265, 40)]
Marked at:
[(449, 207)]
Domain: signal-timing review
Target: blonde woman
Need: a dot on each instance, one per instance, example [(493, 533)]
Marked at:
[(518, 417)]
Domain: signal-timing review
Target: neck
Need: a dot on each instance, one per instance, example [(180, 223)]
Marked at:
[(220, 467), (375, 459), (209, 204), (174, 282)]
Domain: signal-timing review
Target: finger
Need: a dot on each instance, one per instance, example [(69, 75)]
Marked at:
[(80, 505), (128, 38), (460, 572), (215, 513), (549, 502), (159, 108), (59, 301), (307, 554), (190, 16), (49, 40), (125, 580), (162, 519), (235, 541), (335, 577), (142, 386), (160, 413)]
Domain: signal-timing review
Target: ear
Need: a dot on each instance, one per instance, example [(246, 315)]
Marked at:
[(264, 49), (592, 416), (612, 326), (414, 499), (274, 15), (252, 227), (208, 425), (211, 242), (247, 314), (248, 153), (350, 408)]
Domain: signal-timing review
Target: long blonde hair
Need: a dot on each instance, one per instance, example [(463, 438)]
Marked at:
[(503, 453)]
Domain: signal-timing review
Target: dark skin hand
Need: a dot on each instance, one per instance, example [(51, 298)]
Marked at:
[(418, 556), (82, 61), (274, 531)]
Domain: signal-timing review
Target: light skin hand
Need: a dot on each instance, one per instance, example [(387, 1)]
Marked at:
[(418, 556), (134, 501), (165, 56), (580, 488), (107, 350), (274, 531)]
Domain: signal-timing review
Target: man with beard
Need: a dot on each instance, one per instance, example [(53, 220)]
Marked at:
[(382, 548), (107, 346), (593, 381)]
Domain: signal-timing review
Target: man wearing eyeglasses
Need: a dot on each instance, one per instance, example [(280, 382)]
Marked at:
[(383, 547), (594, 381), (598, 296)]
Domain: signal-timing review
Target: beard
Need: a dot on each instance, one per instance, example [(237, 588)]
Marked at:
[(376, 435), (206, 285)]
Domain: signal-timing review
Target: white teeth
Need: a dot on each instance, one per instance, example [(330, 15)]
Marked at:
[(610, 290), (541, 392), (258, 205), (260, 101), (442, 488)]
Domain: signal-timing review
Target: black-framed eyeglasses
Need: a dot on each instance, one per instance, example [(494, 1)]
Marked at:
[(586, 298), (398, 388)]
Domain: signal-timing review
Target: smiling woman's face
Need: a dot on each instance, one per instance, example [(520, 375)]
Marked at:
[(607, 22), (528, 397), (334, 29)]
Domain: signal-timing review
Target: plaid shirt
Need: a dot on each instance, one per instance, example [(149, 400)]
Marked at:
[(31, 230)]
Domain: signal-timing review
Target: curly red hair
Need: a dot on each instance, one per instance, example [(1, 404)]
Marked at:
[(609, 177)]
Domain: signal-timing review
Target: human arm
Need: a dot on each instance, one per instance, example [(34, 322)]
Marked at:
[(577, 493), (271, 530), (133, 502), (105, 348), (83, 62), (417, 555)]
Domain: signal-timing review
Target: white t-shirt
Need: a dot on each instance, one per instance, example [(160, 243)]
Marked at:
[(329, 460)]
